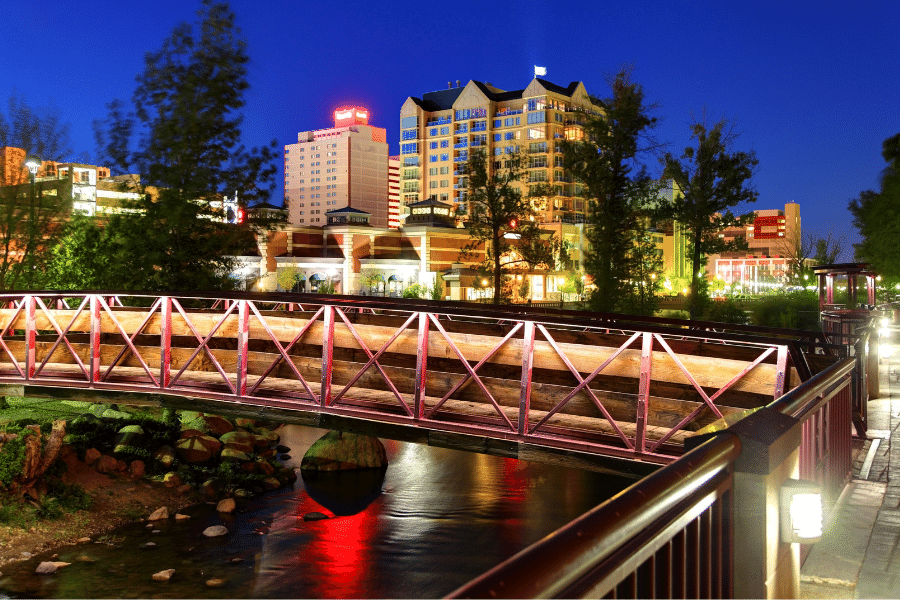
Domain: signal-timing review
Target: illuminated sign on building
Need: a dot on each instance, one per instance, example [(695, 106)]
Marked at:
[(351, 115), (767, 228)]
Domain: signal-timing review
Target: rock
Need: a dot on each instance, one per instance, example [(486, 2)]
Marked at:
[(270, 483), (97, 409), (242, 494), (189, 433), (248, 467), (85, 558), (190, 415), (137, 469), (226, 505), (163, 575), (121, 466), (172, 480), (266, 438), (150, 544), (91, 455), (266, 452), (183, 488), (49, 567), (197, 449), (242, 422), (217, 425), (130, 436), (233, 455), (265, 467), (84, 540), (181, 517), (164, 455), (337, 451), (242, 439), (159, 514), (282, 449), (198, 424), (211, 488), (215, 531), (106, 464), (215, 582), (109, 413), (314, 516)]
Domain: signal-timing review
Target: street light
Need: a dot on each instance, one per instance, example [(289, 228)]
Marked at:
[(33, 163)]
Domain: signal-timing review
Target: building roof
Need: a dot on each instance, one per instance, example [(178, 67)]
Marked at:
[(345, 210), (430, 202), (265, 205), (444, 99)]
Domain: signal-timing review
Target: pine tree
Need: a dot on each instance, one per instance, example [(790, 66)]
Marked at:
[(607, 162), (877, 216), (188, 153)]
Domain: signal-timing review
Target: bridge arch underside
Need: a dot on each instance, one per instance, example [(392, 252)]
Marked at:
[(559, 386)]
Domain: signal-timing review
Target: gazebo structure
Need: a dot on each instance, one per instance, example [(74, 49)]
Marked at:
[(853, 272)]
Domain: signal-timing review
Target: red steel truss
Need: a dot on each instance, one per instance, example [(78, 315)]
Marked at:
[(103, 344)]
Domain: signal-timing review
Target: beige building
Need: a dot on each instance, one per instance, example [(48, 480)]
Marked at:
[(328, 169), (439, 130)]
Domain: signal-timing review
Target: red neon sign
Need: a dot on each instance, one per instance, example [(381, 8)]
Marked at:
[(351, 115)]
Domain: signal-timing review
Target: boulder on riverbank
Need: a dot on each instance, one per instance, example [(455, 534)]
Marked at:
[(341, 451)]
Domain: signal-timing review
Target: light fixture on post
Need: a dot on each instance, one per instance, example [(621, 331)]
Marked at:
[(32, 163), (800, 512)]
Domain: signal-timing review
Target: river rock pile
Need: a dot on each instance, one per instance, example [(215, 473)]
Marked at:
[(213, 455)]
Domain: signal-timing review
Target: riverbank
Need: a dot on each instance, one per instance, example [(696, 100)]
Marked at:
[(114, 502)]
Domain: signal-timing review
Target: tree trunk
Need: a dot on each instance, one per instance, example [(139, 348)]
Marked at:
[(38, 460)]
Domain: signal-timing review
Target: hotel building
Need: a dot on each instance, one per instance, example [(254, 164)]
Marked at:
[(344, 166), (440, 129)]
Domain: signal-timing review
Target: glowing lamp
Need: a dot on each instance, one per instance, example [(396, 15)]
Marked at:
[(885, 350), (33, 163), (800, 512)]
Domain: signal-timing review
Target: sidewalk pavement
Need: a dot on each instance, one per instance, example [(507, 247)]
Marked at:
[(859, 555)]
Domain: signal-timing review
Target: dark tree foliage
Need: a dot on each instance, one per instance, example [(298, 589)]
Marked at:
[(498, 213), (712, 179), (27, 220), (608, 163), (877, 216), (188, 152)]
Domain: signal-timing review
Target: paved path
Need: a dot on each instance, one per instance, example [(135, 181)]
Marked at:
[(859, 555)]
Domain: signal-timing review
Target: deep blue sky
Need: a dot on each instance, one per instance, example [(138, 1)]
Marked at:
[(813, 87)]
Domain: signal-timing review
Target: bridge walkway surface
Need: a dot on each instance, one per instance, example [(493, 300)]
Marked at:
[(859, 554)]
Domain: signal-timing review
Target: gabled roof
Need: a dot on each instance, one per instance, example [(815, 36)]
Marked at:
[(552, 87), (346, 209), (439, 100)]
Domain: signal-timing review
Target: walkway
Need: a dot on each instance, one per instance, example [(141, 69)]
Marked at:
[(859, 556)]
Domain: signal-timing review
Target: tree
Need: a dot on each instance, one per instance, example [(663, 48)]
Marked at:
[(809, 246), (188, 152), (496, 208), (608, 163), (877, 216), (712, 179), (86, 257), (28, 223)]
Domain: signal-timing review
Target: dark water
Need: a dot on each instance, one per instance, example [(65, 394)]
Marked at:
[(433, 521)]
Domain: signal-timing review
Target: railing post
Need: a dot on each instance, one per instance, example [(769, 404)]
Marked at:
[(421, 367), (165, 342), (643, 403), (96, 331), (30, 335), (770, 454), (243, 347), (527, 367), (327, 355)]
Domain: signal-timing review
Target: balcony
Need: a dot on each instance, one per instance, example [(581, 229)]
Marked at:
[(482, 127), (439, 121), (460, 159), (508, 112), (461, 145)]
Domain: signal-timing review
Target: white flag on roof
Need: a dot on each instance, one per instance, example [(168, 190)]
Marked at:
[(539, 71)]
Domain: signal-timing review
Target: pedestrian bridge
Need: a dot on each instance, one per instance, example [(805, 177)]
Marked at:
[(508, 380)]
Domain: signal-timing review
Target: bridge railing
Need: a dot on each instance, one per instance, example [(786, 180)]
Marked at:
[(679, 532), (567, 379)]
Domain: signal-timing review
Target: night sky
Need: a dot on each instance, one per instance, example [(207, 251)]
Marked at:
[(813, 87)]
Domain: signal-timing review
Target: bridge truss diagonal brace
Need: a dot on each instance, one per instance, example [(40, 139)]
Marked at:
[(61, 337), (204, 345), (19, 306), (373, 359), (129, 340), (472, 371), (583, 384), (710, 400), (283, 351)]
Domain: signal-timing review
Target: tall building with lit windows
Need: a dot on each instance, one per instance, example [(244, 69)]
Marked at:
[(343, 166), (439, 130)]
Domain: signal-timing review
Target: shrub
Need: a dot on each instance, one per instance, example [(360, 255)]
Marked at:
[(11, 459), (728, 311), (797, 310)]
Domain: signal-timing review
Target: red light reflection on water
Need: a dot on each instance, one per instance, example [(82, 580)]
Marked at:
[(341, 549)]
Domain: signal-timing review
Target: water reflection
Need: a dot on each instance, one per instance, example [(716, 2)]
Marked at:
[(432, 521)]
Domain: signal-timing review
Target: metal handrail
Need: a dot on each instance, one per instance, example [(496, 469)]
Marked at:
[(808, 397), (558, 564)]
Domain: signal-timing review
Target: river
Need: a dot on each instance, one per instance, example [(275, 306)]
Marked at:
[(432, 521)]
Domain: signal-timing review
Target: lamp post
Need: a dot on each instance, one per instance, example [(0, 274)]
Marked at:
[(33, 163)]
